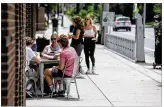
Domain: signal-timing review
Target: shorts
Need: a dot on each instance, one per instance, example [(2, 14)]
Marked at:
[(58, 73)]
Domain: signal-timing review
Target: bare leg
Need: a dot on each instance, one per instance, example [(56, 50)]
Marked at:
[(48, 76)]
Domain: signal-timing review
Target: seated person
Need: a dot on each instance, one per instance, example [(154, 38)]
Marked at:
[(50, 50), (57, 71), (30, 55)]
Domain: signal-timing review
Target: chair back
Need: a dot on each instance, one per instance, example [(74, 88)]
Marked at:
[(76, 65)]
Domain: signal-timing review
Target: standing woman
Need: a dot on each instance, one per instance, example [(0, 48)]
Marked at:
[(77, 37), (89, 43)]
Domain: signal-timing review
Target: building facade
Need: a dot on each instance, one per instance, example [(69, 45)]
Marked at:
[(17, 21)]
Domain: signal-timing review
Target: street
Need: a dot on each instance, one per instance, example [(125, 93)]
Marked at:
[(149, 38)]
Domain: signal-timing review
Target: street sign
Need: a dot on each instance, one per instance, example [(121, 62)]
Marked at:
[(108, 18)]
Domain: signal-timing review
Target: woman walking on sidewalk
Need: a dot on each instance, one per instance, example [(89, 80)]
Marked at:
[(89, 43)]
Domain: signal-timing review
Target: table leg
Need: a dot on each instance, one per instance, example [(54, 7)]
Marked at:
[(41, 67)]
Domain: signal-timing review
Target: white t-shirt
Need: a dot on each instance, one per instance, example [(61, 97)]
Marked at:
[(29, 55)]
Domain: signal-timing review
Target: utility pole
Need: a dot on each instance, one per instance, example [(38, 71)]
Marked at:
[(77, 8), (58, 10), (104, 30), (62, 5), (144, 19)]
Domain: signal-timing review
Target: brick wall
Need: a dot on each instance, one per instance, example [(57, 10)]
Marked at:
[(41, 12), (31, 20), (13, 54)]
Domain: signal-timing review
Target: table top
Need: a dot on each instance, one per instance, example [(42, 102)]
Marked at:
[(49, 61)]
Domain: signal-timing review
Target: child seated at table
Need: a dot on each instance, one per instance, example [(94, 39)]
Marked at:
[(57, 71)]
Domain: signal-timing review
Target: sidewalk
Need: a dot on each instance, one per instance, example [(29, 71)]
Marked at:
[(120, 82)]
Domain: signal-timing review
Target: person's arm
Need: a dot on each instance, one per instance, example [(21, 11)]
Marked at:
[(60, 67), (36, 59), (32, 56), (77, 34), (44, 53), (94, 28), (62, 62)]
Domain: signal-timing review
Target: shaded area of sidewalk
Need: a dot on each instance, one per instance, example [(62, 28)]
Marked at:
[(120, 82)]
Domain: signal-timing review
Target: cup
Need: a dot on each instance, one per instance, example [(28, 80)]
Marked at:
[(70, 33)]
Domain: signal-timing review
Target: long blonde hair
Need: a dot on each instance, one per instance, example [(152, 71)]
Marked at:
[(90, 18)]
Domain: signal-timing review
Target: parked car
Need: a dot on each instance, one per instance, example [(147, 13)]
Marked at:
[(122, 22)]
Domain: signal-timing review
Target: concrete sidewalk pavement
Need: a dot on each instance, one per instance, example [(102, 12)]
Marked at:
[(120, 82)]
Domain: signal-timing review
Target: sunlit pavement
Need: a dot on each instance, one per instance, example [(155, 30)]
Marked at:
[(119, 82)]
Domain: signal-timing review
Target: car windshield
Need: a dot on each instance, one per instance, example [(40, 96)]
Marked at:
[(123, 19)]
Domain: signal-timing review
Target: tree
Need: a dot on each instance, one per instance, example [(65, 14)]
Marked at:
[(158, 8), (125, 9), (90, 9), (70, 12)]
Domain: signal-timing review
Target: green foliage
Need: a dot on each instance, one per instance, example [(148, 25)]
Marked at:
[(70, 12), (89, 9), (158, 8), (83, 13), (53, 6)]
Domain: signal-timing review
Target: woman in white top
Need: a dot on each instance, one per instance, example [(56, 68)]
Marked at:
[(89, 43)]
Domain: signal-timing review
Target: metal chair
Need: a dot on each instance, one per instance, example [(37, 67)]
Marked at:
[(31, 75), (67, 80)]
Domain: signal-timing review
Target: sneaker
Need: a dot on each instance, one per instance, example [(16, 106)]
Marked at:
[(93, 70), (29, 94), (88, 72), (61, 93)]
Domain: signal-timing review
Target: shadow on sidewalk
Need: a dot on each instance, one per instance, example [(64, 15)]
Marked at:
[(65, 99), (55, 98), (145, 64)]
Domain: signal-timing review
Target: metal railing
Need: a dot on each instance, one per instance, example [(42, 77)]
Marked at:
[(121, 45)]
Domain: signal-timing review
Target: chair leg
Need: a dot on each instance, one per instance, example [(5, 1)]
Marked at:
[(36, 89), (52, 89), (29, 94), (68, 83), (68, 90), (77, 89)]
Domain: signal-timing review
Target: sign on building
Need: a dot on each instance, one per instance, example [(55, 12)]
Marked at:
[(108, 18)]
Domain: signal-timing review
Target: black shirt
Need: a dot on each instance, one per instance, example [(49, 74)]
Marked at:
[(71, 28), (75, 42), (55, 22)]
